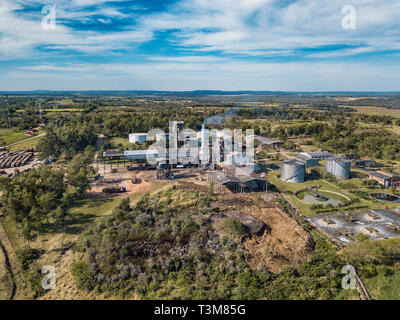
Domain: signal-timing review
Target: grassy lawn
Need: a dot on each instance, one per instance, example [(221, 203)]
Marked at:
[(385, 287), (9, 136), (30, 144), (116, 143)]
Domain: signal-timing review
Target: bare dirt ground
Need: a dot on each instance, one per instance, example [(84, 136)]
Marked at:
[(284, 242), (124, 181)]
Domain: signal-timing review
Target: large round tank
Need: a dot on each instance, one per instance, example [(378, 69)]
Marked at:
[(340, 168), (293, 171)]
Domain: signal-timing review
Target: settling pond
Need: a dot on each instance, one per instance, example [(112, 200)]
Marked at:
[(327, 198), (385, 197)]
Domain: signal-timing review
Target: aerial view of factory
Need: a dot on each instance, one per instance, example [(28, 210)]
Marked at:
[(304, 175)]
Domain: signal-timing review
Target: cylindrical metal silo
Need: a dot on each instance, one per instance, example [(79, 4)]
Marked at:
[(340, 168), (293, 171)]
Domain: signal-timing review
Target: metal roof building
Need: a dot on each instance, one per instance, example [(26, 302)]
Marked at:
[(268, 141), (318, 155), (384, 178), (238, 179)]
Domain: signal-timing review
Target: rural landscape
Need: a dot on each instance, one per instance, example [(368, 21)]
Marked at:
[(201, 159), (78, 194)]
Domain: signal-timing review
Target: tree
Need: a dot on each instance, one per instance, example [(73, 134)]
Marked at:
[(80, 171), (31, 197), (68, 140)]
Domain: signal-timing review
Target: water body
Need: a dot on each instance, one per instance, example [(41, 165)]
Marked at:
[(333, 199), (385, 197)]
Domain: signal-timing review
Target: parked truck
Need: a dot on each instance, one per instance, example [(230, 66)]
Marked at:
[(113, 190)]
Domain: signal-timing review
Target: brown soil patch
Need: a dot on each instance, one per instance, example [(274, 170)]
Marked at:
[(285, 243), (143, 186), (191, 186)]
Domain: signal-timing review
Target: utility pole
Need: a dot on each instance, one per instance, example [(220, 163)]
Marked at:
[(8, 112), (40, 114)]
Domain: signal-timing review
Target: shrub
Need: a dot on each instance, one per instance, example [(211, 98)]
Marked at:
[(361, 236), (233, 226), (83, 275), (35, 281), (189, 227), (26, 256)]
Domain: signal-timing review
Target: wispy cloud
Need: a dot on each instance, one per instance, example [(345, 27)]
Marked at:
[(261, 44)]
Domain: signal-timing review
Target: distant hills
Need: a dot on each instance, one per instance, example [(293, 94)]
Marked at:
[(195, 93)]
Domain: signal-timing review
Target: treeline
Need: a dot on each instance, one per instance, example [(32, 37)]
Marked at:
[(37, 200), (67, 140), (346, 137)]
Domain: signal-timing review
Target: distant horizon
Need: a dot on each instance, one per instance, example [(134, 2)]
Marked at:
[(200, 92)]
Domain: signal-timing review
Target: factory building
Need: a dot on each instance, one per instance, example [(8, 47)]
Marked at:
[(339, 167), (268, 142), (318, 155), (385, 179), (237, 179), (137, 137), (309, 162), (293, 171)]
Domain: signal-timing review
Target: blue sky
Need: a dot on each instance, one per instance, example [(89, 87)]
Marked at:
[(200, 44)]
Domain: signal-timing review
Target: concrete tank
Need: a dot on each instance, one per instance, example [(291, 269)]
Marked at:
[(338, 167), (293, 171)]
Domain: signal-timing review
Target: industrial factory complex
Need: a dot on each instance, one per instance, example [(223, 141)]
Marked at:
[(229, 167)]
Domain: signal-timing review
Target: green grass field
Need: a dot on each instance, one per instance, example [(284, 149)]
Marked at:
[(116, 143), (30, 144), (379, 257), (9, 136)]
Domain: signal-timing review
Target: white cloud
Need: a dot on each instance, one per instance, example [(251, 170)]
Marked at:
[(222, 75)]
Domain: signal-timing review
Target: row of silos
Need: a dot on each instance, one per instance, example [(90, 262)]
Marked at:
[(295, 170)]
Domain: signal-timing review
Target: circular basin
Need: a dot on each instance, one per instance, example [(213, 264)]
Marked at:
[(321, 197)]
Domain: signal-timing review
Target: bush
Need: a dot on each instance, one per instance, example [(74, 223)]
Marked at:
[(189, 227), (83, 275), (35, 280), (361, 236), (26, 256), (233, 226)]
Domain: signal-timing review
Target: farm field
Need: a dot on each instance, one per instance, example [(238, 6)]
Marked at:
[(376, 111)]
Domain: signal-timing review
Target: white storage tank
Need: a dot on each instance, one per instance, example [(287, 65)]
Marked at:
[(293, 171), (339, 167)]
